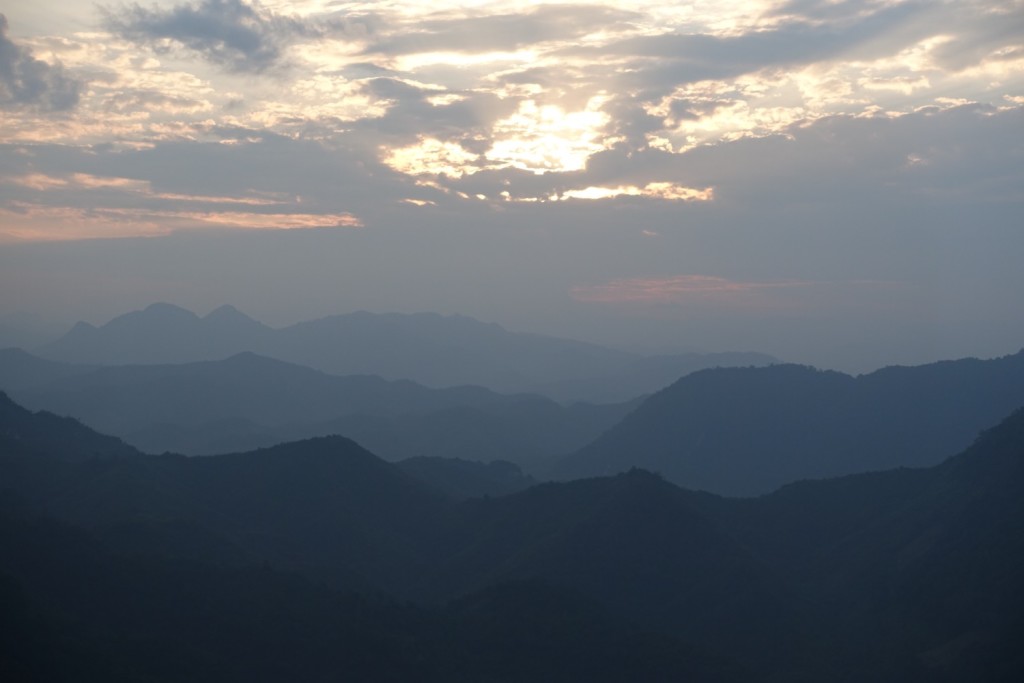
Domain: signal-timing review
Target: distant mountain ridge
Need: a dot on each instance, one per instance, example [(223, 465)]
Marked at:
[(428, 348), (162, 333), (748, 431), (248, 401)]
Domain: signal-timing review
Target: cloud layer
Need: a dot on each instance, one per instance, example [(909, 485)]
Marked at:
[(454, 106)]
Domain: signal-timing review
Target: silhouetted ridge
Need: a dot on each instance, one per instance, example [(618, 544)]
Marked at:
[(168, 311), (81, 327), (236, 329), (909, 574), (23, 432), (324, 506), (125, 398), (428, 348), (747, 431), (323, 482), (466, 478), (633, 540), (161, 333), (1002, 442), (157, 316), (249, 401), (21, 370), (228, 313)]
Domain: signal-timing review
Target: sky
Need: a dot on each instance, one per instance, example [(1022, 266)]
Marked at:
[(836, 183)]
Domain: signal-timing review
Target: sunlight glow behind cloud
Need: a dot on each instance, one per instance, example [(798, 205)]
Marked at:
[(654, 190), (543, 138), (466, 95), (496, 154)]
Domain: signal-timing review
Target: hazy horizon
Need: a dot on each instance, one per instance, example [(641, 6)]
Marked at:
[(40, 331), (837, 184)]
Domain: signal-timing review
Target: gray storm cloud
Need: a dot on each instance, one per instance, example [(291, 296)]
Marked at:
[(239, 36), (27, 81)]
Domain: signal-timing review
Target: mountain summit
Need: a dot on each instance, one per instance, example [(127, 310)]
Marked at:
[(161, 333)]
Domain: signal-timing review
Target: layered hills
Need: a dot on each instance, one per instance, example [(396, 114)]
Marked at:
[(431, 349), (249, 401), (732, 431), (908, 574)]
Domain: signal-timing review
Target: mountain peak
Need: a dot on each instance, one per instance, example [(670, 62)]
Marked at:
[(160, 315), (80, 329), (163, 308), (227, 312)]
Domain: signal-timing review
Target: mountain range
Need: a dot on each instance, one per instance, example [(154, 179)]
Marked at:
[(248, 401), (748, 431), (431, 349), (257, 565), (732, 431)]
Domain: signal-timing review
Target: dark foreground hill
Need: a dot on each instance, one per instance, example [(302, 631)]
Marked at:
[(747, 431), (431, 349), (248, 401), (461, 479), (45, 436), (268, 566), (72, 610), (243, 567)]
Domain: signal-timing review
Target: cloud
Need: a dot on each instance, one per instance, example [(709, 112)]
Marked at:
[(936, 156), (232, 33), (415, 112), (21, 221), (827, 10), (504, 32), (237, 178), (666, 191), (27, 81), (129, 100), (663, 61), (133, 188), (984, 33)]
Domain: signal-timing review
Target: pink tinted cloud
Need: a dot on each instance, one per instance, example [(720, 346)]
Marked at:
[(21, 221)]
